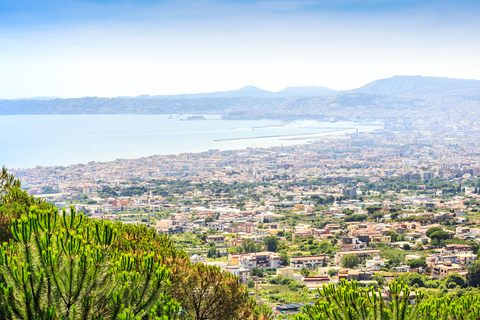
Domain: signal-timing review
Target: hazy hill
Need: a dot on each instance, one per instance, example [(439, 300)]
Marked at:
[(252, 92), (417, 85), (305, 91), (382, 98)]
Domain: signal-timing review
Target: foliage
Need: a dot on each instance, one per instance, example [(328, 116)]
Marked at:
[(305, 272), (63, 266), (349, 302), (350, 261), (432, 230), (332, 272), (295, 285), (256, 272), (271, 243), (415, 219), (284, 258), (355, 217), (411, 279), (453, 280), (248, 245), (204, 292), (379, 279), (417, 263), (280, 280), (473, 275), (14, 202), (67, 266), (438, 236), (107, 191), (212, 252)]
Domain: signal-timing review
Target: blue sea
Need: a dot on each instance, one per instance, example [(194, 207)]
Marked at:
[(48, 140)]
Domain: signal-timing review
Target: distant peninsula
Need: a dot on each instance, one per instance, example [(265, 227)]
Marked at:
[(377, 99)]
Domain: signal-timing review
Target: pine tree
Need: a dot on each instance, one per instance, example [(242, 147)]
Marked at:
[(64, 267)]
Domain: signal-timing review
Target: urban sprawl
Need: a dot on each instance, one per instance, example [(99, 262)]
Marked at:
[(402, 201)]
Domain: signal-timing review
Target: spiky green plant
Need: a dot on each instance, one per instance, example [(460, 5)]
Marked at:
[(347, 301), (64, 267)]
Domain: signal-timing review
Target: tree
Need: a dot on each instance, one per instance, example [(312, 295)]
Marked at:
[(438, 236), (63, 266), (271, 243), (248, 245), (379, 279), (350, 261), (432, 230), (295, 285), (406, 246), (324, 262), (473, 275), (454, 279), (393, 235), (206, 292), (411, 279), (212, 252), (332, 272), (347, 301), (284, 258), (305, 272), (13, 203), (67, 266), (417, 263), (256, 272), (373, 209)]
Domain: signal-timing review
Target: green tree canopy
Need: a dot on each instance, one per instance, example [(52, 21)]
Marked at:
[(417, 263), (350, 261), (438, 236), (454, 279), (473, 275), (432, 230), (271, 243), (347, 301), (305, 272)]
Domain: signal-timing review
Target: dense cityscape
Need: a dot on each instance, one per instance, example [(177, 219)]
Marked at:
[(239, 160), (401, 202)]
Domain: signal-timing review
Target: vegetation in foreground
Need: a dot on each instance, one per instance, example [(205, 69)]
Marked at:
[(67, 266), (348, 301)]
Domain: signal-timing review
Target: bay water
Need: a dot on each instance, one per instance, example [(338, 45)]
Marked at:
[(50, 140)]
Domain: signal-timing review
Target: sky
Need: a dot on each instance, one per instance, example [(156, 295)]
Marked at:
[(106, 48)]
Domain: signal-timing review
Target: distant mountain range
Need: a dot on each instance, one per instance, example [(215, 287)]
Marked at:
[(252, 92), (377, 99), (417, 85), (397, 85)]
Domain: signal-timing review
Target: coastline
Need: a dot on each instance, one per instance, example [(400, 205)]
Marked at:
[(80, 139)]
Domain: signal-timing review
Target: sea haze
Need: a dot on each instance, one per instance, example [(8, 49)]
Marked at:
[(48, 140)]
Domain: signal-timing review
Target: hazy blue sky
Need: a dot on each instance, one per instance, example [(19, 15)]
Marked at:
[(113, 48)]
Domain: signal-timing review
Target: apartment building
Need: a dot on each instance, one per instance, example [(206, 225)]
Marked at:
[(442, 270), (315, 282), (309, 261), (361, 253), (215, 239), (262, 260)]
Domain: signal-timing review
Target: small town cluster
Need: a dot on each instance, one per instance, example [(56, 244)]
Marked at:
[(286, 220)]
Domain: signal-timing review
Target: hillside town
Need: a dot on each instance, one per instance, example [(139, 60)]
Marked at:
[(369, 207)]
